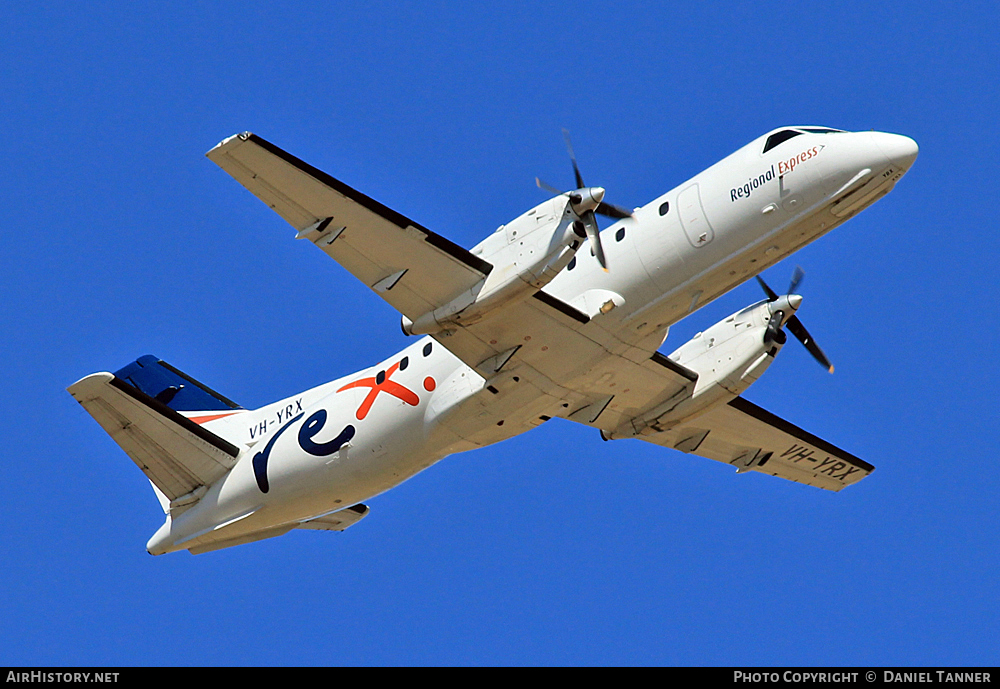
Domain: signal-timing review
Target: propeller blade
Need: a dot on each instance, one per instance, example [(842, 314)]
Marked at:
[(796, 280), (771, 295), (572, 157), (610, 210), (594, 234), (774, 333), (547, 187), (803, 336)]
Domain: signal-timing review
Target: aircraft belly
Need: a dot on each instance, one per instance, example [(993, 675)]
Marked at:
[(516, 408)]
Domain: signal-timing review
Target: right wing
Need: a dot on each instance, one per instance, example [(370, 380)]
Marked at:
[(412, 268), (750, 438)]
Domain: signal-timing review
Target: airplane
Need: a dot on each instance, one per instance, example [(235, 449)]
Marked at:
[(549, 316)]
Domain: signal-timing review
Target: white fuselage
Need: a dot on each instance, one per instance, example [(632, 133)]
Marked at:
[(348, 440)]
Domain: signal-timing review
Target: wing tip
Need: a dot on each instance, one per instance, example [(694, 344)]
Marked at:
[(90, 382), (225, 143)]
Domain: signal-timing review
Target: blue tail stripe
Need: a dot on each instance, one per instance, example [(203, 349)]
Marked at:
[(173, 388)]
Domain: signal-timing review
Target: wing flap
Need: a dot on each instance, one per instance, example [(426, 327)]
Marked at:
[(370, 240), (753, 439), (176, 454)]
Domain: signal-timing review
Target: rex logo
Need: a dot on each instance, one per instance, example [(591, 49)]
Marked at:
[(381, 383)]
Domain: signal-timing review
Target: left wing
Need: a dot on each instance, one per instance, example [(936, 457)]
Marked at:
[(750, 438), (412, 268)]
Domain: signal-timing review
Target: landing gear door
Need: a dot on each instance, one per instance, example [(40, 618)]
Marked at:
[(693, 219)]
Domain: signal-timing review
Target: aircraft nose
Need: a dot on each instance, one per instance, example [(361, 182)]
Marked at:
[(900, 150)]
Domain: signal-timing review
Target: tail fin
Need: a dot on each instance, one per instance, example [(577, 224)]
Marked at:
[(172, 387), (140, 407)]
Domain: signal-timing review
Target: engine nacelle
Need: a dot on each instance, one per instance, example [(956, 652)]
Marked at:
[(526, 253), (731, 354), (728, 358)]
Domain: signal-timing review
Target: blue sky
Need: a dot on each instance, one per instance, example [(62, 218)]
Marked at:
[(121, 239)]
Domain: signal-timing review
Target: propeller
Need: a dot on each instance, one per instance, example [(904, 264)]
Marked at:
[(587, 202), (789, 303)]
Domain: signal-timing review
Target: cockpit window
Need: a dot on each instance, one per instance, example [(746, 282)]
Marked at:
[(822, 130), (779, 138)]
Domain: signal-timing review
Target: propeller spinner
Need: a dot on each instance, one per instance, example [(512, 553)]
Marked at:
[(586, 202), (781, 306)]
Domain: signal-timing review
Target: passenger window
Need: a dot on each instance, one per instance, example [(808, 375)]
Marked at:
[(664, 207), (779, 138), (572, 264), (427, 349), (620, 234)]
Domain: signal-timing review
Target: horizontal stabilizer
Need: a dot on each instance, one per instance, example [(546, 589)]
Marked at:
[(175, 453), (338, 521), (239, 540)]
